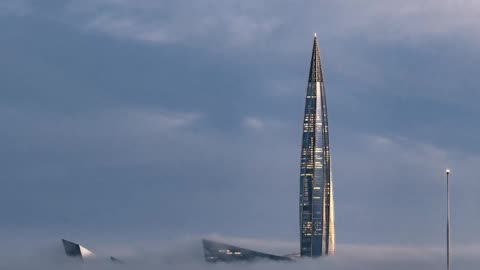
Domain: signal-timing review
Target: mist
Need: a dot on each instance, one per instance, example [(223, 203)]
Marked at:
[(187, 254)]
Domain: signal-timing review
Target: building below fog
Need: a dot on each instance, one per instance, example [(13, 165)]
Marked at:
[(79, 252), (75, 250), (219, 252)]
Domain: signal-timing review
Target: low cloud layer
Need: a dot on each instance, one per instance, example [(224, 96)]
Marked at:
[(188, 255)]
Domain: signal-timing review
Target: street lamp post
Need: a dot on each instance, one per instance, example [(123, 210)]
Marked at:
[(447, 171)]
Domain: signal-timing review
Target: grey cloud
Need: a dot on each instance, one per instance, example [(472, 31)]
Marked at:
[(152, 156), (122, 162), (249, 23), (258, 124), (378, 177), (153, 21), (15, 7), (253, 123), (434, 40), (409, 22)]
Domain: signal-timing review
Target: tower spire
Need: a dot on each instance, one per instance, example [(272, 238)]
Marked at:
[(315, 64)]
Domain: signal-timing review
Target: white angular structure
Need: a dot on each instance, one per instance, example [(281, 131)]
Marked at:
[(75, 250)]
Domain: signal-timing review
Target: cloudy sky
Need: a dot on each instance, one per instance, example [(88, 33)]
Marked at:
[(134, 122)]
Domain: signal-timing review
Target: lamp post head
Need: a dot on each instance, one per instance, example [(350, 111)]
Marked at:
[(447, 171)]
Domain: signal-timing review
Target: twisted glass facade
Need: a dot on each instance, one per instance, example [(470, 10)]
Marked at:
[(317, 217)]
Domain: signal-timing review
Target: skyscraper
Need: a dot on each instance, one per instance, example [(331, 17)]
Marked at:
[(317, 215)]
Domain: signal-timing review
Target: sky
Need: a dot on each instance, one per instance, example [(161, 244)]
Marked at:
[(130, 123)]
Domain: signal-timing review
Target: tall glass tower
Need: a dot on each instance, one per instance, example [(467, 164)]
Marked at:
[(317, 215)]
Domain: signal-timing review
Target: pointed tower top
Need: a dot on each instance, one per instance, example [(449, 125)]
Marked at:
[(315, 74), (315, 35)]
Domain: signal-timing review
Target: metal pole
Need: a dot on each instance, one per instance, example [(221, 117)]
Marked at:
[(448, 220)]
